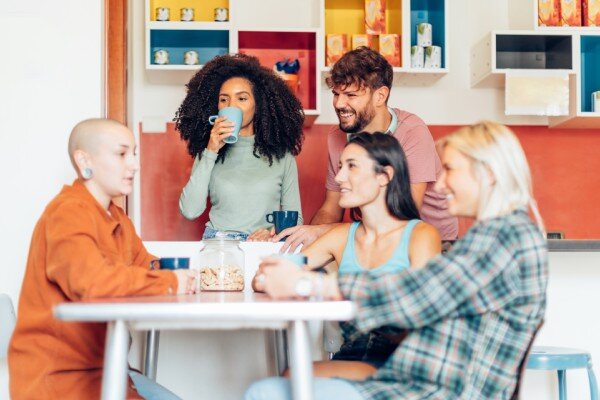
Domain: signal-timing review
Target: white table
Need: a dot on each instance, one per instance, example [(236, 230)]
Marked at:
[(207, 310)]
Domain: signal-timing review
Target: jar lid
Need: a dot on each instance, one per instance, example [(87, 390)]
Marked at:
[(221, 240)]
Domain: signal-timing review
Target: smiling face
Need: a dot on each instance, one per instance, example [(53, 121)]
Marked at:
[(237, 92), (459, 183), (359, 183), (354, 107)]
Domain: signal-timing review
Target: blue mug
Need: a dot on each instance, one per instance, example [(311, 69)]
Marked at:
[(282, 219), (171, 263), (234, 115)]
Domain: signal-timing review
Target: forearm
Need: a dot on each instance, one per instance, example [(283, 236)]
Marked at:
[(326, 217), (192, 202)]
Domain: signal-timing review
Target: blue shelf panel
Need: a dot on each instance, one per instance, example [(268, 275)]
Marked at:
[(590, 70), (208, 44), (432, 12)]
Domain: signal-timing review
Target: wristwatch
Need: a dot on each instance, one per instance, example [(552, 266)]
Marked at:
[(304, 287)]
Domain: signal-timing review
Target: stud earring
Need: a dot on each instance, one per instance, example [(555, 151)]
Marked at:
[(87, 173)]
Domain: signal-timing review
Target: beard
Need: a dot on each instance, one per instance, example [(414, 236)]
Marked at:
[(362, 119)]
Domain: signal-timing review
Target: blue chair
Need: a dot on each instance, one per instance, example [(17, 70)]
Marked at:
[(561, 359)]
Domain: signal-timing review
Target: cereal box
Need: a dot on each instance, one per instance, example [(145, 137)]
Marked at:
[(360, 39), (375, 17), (570, 12), (389, 47), (548, 12), (337, 45), (590, 10)]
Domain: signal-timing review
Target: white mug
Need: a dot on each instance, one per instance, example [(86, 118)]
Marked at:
[(187, 14), (161, 57), (221, 14), (190, 57), (162, 14)]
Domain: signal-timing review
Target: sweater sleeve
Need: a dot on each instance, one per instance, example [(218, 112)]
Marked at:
[(290, 191), (194, 196), (76, 264)]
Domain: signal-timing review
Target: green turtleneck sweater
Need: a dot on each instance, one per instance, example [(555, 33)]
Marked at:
[(242, 190)]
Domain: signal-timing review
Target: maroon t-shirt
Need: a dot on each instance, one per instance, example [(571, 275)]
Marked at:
[(424, 165)]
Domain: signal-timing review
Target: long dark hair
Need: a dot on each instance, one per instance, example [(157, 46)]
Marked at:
[(278, 117), (385, 151)]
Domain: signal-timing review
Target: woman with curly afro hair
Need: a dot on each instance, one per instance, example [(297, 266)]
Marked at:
[(254, 176)]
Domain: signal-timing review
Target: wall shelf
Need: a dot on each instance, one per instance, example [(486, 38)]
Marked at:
[(573, 51), (271, 42), (501, 51)]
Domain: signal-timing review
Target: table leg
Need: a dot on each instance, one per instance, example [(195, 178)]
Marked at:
[(114, 377), (151, 353), (281, 355), (300, 361)]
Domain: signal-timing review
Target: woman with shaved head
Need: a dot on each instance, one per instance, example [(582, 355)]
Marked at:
[(83, 247)]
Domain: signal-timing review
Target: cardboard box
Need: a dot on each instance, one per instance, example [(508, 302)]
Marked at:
[(570, 12), (389, 48), (337, 45), (548, 12), (590, 12), (361, 39), (375, 17)]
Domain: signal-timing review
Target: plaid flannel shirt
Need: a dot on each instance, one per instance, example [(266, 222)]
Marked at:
[(471, 314)]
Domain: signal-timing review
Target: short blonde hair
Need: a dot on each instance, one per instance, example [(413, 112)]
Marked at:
[(494, 148)]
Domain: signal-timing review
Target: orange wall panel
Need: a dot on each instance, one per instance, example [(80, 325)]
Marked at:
[(565, 167)]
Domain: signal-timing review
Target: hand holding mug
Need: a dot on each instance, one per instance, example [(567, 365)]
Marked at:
[(227, 125), (222, 129)]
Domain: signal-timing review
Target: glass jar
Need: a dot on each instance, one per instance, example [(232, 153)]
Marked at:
[(221, 265)]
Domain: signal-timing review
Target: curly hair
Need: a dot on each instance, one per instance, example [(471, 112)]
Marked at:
[(363, 67), (278, 116)]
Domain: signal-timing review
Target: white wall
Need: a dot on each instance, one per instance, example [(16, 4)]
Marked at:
[(50, 78)]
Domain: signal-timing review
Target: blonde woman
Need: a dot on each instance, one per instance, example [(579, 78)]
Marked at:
[(470, 313)]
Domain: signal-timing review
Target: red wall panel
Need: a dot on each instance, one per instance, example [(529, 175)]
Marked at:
[(565, 167)]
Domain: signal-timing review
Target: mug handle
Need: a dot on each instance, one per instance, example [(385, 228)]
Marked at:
[(154, 264), (212, 118), (269, 220)]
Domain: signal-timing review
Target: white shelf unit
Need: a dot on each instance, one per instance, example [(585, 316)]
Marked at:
[(402, 17), (573, 51), (503, 51), (268, 38)]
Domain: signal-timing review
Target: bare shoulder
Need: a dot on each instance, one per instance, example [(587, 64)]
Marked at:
[(425, 242), (424, 231), (339, 231)]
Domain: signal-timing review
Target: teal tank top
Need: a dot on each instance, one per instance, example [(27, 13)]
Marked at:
[(397, 262)]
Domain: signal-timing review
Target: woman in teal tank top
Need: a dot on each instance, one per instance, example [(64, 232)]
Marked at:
[(386, 237)]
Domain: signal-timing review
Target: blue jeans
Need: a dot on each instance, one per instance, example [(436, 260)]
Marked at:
[(277, 388), (210, 233), (149, 389)]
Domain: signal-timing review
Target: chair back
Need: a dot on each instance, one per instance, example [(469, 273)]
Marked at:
[(7, 323), (523, 364)]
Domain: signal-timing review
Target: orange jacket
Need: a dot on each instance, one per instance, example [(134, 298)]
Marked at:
[(78, 251)]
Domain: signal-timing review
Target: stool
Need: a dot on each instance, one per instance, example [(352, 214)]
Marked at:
[(561, 359)]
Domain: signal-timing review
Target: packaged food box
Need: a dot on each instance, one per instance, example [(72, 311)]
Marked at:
[(361, 39), (337, 45), (570, 12), (389, 48), (548, 12), (590, 12), (375, 17)]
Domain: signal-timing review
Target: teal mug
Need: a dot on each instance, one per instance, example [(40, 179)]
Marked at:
[(171, 263), (234, 115)]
